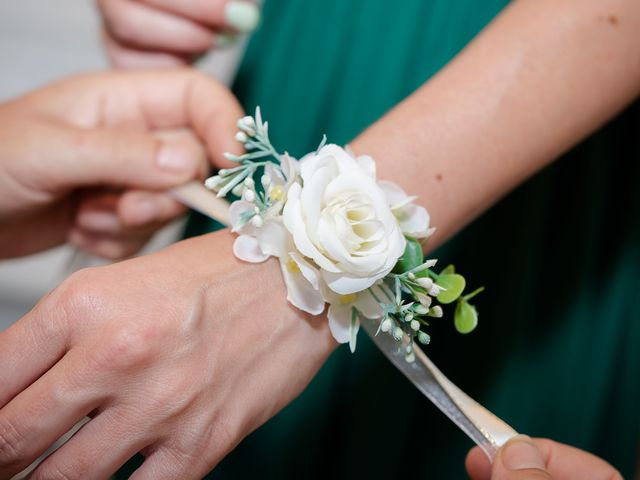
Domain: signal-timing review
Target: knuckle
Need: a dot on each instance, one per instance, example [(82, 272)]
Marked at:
[(77, 296), (11, 444), (128, 347), (183, 459)]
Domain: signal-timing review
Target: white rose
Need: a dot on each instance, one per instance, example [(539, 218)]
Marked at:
[(340, 218)]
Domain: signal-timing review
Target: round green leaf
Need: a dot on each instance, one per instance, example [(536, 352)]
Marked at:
[(454, 285), (449, 269), (411, 258), (466, 317)]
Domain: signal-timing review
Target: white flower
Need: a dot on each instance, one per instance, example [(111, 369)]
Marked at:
[(301, 278), (343, 323), (280, 180), (340, 218), (413, 219)]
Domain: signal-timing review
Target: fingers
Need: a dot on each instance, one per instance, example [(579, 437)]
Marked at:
[(523, 458), (520, 459), (99, 449), (30, 347), (165, 463), (142, 26), (39, 415), (565, 461), (129, 58), (104, 246), (207, 107), (477, 464), (115, 224), (131, 213), (114, 114), (237, 15), (165, 33), (121, 157)]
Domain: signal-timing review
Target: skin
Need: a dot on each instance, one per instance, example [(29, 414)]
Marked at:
[(86, 159), (523, 458), (499, 110), (160, 370), (161, 33)]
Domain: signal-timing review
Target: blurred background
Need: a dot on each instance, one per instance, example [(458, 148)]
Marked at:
[(41, 42)]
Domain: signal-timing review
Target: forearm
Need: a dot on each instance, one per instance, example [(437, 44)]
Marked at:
[(540, 78)]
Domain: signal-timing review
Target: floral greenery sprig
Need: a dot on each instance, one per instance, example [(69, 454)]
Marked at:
[(342, 237)]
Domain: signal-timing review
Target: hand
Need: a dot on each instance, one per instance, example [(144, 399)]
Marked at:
[(179, 354), (87, 159), (162, 33), (523, 458)]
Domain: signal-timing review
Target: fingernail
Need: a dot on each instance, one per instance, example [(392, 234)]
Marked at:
[(226, 40), (174, 159), (98, 220), (146, 210), (243, 16), (521, 454)]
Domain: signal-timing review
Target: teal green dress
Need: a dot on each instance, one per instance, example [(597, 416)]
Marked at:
[(557, 351)]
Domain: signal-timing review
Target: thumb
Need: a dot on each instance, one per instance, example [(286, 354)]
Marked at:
[(519, 459), (125, 158)]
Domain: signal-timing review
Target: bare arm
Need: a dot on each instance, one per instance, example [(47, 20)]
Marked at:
[(541, 77)]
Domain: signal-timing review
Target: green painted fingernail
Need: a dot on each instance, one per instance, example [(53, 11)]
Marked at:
[(226, 40), (241, 15)]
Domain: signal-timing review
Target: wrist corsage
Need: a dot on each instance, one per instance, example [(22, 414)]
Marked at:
[(342, 238)]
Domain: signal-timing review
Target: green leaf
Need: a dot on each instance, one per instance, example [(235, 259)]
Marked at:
[(411, 258), (449, 269), (454, 285), (466, 317)]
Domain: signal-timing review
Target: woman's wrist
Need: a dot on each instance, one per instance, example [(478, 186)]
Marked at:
[(265, 290)]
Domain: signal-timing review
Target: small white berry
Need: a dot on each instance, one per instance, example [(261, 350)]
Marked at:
[(386, 325), (435, 290), (398, 333), (237, 190), (249, 195)]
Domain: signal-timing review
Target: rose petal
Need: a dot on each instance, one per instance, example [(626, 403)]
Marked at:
[(301, 293), (295, 224), (339, 317), (394, 194), (343, 284), (248, 249), (413, 219), (368, 165), (308, 271), (274, 239)]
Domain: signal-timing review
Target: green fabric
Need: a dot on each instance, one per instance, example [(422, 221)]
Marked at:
[(556, 353)]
